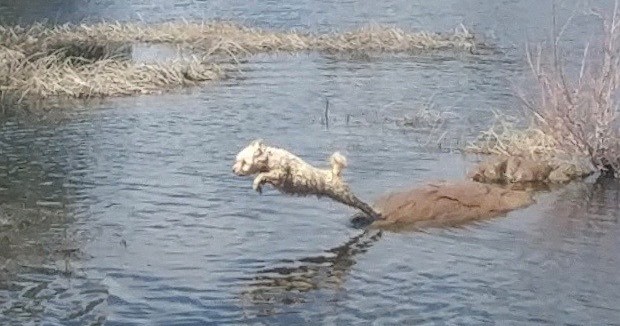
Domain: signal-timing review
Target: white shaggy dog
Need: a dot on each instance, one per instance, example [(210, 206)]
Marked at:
[(291, 175)]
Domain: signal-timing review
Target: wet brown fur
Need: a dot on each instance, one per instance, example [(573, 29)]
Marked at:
[(447, 203), (515, 169)]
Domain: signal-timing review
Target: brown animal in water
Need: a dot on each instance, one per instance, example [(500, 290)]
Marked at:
[(511, 169), (448, 203), (514, 169), (292, 175)]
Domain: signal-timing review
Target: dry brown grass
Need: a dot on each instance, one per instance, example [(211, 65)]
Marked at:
[(52, 76), (39, 63), (393, 40), (228, 38), (504, 138), (80, 61)]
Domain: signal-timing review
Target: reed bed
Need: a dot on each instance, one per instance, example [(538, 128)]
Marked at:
[(381, 39), (52, 77), (226, 38), (82, 61)]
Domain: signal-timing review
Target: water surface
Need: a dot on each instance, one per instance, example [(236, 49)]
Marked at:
[(134, 216)]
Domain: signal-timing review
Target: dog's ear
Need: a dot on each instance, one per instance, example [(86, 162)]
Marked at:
[(258, 146)]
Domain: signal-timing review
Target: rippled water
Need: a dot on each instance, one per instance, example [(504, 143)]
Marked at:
[(132, 214)]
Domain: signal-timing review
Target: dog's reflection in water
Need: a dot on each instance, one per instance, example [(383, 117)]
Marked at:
[(291, 283)]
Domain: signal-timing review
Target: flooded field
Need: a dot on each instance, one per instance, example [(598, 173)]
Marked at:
[(125, 211)]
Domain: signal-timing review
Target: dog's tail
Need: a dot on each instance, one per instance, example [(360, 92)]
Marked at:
[(338, 163)]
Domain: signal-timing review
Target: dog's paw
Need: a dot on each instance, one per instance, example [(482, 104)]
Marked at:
[(361, 220), (379, 217), (258, 185)]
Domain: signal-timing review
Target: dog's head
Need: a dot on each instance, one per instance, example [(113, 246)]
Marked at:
[(252, 159)]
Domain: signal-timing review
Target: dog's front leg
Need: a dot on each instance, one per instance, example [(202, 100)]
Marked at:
[(258, 183), (274, 177)]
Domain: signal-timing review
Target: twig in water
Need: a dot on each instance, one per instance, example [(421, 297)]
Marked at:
[(327, 113)]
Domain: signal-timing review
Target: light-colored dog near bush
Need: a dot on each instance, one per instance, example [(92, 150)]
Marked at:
[(291, 175)]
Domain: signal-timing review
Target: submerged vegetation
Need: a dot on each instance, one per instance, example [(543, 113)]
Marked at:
[(81, 61), (574, 115)]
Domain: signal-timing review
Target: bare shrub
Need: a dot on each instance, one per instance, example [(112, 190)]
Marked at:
[(580, 113)]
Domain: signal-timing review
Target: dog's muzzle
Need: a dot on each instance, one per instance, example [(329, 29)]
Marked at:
[(237, 170)]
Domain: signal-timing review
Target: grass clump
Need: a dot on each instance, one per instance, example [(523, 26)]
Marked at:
[(53, 76), (505, 138), (380, 39)]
